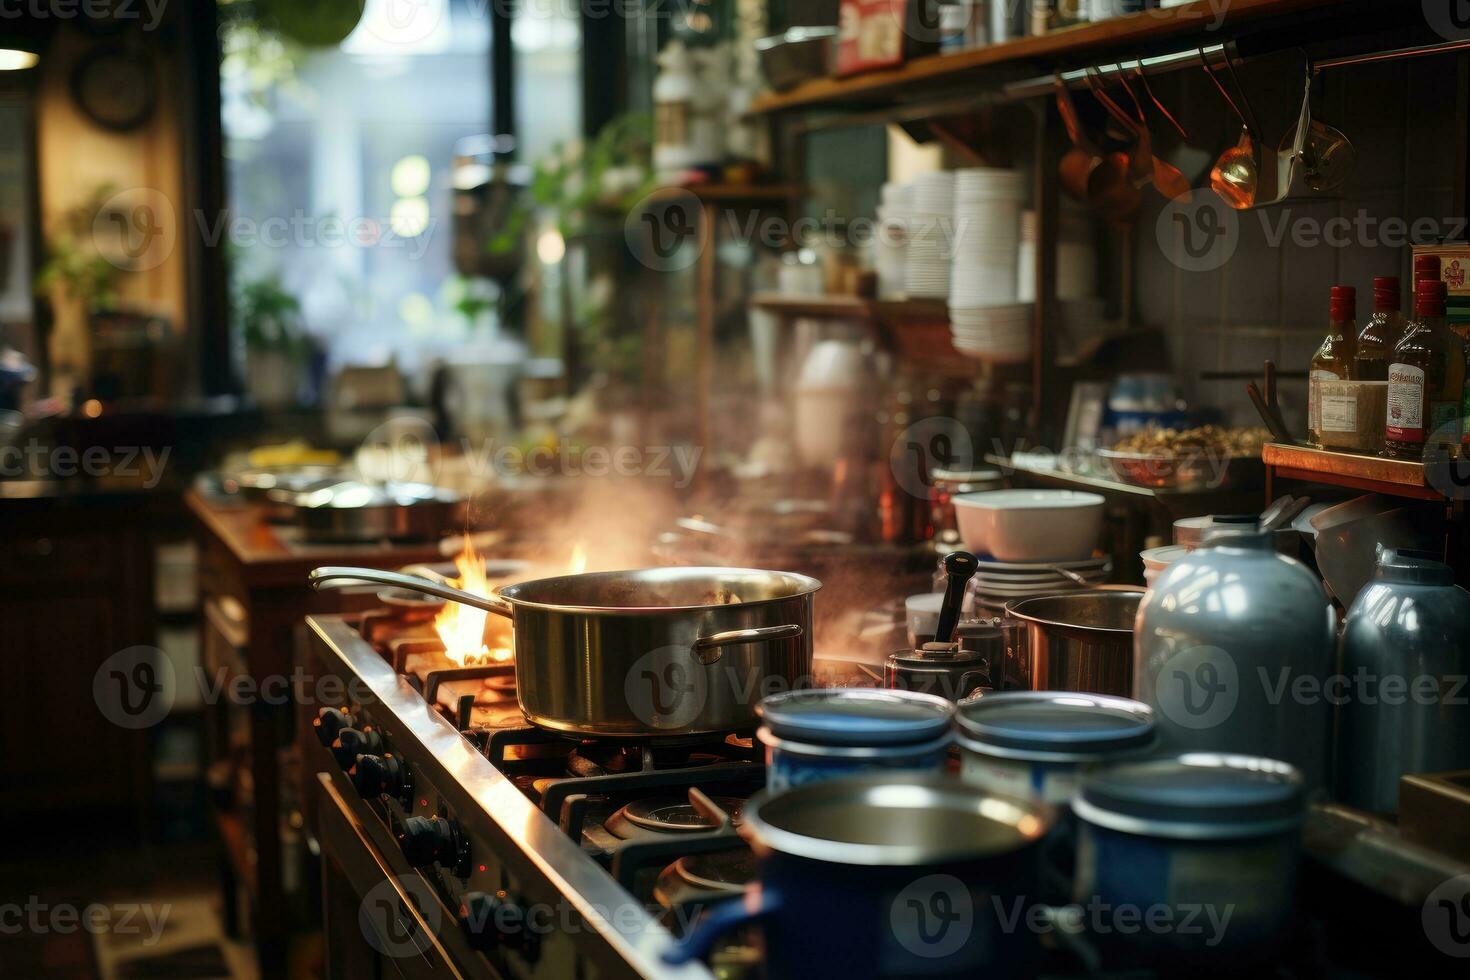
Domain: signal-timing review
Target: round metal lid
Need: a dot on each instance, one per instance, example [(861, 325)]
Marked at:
[(1197, 796), (1060, 722), (856, 716), (935, 655)]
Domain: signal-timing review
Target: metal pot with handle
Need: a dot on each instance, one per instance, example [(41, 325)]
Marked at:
[(646, 652)]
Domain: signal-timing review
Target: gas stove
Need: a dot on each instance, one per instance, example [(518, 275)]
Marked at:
[(458, 840)]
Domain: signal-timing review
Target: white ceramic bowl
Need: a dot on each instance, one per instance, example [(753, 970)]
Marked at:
[(1030, 525)]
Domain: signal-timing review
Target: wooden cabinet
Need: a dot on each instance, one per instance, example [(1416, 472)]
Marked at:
[(75, 588)]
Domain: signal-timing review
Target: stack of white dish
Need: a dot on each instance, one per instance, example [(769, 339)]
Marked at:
[(1000, 334), (930, 224), (999, 582), (890, 245), (987, 320)]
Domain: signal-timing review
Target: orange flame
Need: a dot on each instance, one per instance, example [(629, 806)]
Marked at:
[(462, 627), (578, 562)]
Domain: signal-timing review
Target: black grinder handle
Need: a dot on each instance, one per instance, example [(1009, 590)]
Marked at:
[(959, 567)]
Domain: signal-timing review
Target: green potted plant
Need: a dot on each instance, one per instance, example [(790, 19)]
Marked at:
[(269, 321)]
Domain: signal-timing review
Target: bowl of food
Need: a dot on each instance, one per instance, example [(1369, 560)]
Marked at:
[(1205, 458), (1030, 525)]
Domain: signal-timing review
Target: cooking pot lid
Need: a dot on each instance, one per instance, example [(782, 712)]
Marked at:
[(1052, 721), (1199, 796), (856, 716)]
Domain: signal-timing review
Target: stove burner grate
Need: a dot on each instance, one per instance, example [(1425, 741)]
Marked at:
[(659, 816)]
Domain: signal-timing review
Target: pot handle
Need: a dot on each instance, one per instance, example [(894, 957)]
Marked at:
[(754, 905), (336, 576), (707, 650)]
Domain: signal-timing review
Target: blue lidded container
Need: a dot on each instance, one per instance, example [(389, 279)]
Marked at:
[(1040, 744), (827, 733), (1210, 842)]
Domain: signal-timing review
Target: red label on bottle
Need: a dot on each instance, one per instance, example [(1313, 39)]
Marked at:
[(1405, 404)]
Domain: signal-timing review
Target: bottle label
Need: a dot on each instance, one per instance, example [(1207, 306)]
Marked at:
[(1405, 403), (1314, 397), (1339, 413)]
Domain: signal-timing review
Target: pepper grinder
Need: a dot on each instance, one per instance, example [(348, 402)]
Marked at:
[(959, 568)]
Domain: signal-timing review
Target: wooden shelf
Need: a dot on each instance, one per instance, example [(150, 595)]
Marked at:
[(1128, 35), (1372, 474), (916, 330), (1189, 499), (730, 193), (889, 312)]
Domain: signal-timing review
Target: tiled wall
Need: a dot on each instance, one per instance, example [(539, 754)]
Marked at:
[(1271, 300)]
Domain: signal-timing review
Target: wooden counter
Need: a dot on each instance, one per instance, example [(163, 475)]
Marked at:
[(254, 594)]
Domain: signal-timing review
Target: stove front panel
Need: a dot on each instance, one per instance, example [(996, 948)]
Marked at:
[(460, 840)]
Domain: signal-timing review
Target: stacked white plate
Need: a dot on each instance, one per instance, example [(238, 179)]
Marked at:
[(930, 226), (992, 333), (987, 223), (890, 246), (999, 582)]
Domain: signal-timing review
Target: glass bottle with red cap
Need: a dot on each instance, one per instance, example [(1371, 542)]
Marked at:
[(1381, 333), (1334, 359), (1426, 380)]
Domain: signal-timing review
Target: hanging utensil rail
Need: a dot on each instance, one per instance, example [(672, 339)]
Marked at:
[(1212, 55)]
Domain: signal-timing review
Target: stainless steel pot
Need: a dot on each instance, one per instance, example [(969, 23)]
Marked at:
[(1073, 641), (357, 511), (647, 652)]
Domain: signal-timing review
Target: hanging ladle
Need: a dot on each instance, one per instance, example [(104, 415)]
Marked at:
[(1088, 173), (1168, 179), (1236, 174)]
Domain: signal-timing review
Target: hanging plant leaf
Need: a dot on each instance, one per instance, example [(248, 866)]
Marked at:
[(312, 23)]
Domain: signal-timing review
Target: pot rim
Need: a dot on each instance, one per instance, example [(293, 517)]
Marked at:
[(1013, 611), (815, 750), (808, 587), (1136, 732), (1030, 821)]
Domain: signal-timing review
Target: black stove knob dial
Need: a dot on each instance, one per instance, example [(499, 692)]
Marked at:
[(495, 920), (374, 775), (427, 840), (351, 743), (329, 723)]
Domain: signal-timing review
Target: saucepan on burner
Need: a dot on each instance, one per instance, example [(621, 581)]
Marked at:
[(921, 872), (647, 652)]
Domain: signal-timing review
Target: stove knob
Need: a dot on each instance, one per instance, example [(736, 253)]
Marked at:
[(495, 920), (374, 775), (351, 743), (425, 840), (329, 722)]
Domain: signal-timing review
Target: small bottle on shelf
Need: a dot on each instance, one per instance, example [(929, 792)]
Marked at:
[(1334, 360), (1381, 333), (1426, 380)]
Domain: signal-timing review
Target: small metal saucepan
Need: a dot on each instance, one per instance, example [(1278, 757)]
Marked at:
[(1074, 641), (646, 652)]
